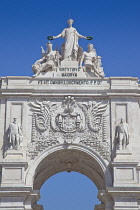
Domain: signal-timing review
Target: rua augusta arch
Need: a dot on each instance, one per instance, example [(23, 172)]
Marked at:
[(69, 117)]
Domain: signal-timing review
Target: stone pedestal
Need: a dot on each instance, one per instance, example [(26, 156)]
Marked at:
[(13, 155), (125, 169), (13, 174)]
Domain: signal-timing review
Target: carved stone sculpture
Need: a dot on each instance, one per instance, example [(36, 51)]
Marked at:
[(48, 62), (70, 47), (98, 65), (69, 122), (122, 134), (92, 61), (15, 135)]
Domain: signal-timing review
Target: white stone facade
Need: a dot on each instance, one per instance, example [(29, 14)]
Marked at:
[(69, 117), (68, 124)]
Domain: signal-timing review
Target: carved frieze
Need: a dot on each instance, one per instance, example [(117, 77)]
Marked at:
[(69, 122)]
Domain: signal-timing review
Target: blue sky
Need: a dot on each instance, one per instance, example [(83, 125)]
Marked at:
[(24, 27), (69, 191), (114, 24)]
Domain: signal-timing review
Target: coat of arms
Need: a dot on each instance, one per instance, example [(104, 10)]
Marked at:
[(69, 119), (69, 122)]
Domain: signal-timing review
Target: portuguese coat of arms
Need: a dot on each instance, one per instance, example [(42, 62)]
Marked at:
[(68, 122)]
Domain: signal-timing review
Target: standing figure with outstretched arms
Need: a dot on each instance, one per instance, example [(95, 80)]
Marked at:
[(71, 35)]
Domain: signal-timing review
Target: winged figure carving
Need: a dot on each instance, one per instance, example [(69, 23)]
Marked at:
[(42, 114), (94, 115)]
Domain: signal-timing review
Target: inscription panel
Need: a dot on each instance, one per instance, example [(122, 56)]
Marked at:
[(12, 174), (69, 82), (124, 174)]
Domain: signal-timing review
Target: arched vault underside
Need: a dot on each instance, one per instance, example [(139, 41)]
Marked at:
[(79, 160)]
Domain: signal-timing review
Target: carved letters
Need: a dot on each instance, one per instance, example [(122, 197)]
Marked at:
[(69, 122)]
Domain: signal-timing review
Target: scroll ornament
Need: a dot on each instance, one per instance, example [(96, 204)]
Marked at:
[(69, 122)]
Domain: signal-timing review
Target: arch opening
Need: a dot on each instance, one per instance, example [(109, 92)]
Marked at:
[(70, 160), (68, 191), (74, 158)]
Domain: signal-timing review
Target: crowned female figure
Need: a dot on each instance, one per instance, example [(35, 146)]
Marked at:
[(71, 36)]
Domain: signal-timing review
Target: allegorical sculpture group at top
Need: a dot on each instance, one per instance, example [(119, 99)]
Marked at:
[(70, 51)]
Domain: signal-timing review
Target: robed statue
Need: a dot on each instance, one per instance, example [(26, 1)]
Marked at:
[(122, 134), (49, 60), (71, 36), (15, 135)]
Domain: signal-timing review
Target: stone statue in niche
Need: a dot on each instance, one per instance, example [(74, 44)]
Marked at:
[(49, 60), (70, 47), (15, 135), (92, 61), (122, 134)]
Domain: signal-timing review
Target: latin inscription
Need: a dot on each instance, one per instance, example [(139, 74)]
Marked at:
[(69, 69), (69, 82), (68, 72)]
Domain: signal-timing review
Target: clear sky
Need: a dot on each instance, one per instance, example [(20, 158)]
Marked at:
[(24, 27), (69, 191), (114, 24)]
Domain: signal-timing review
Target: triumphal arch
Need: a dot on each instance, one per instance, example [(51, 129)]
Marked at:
[(69, 117)]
